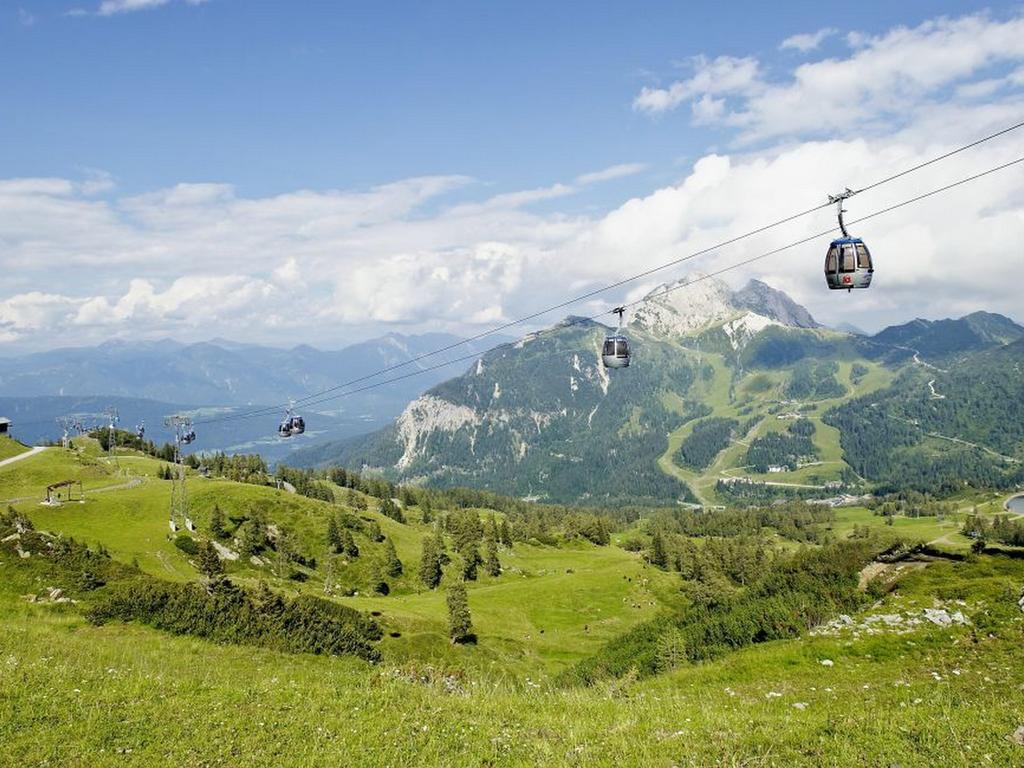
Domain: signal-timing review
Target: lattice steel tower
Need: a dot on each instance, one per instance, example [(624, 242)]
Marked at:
[(183, 433)]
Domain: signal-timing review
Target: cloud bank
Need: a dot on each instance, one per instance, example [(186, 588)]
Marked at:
[(199, 260)]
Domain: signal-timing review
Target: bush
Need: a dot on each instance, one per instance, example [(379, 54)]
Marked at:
[(228, 613), (186, 544)]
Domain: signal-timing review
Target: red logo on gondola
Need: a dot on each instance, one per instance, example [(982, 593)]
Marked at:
[(847, 279)]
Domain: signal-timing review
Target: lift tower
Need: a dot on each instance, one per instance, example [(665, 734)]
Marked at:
[(181, 426)]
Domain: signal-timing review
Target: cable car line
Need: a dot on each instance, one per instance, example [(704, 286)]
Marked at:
[(308, 399), (670, 289)]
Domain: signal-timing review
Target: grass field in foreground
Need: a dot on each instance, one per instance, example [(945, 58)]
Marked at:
[(76, 695)]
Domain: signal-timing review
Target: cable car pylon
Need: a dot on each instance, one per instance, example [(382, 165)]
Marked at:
[(183, 434)]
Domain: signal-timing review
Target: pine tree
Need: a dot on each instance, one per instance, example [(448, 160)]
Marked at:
[(254, 537), (388, 508), (217, 523), (426, 510), (334, 539), (492, 529), (373, 531), (470, 556), (657, 556), (285, 553), (430, 563), (506, 534), (348, 544), (209, 561), (493, 564), (392, 565), (460, 623)]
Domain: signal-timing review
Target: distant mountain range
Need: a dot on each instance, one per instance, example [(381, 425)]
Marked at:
[(147, 380), (721, 375)]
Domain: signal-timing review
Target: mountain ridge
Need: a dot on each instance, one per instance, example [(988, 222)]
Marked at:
[(543, 418)]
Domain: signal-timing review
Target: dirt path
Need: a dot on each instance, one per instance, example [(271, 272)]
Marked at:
[(30, 452), (135, 482)]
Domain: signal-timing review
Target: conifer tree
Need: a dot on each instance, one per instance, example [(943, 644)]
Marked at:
[(506, 534), (217, 523), (470, 556), (430, 563), (426, 510), (254, 536), (209, 561), (493, 564), (388, 508), (373, 531), (348, 544), (658, 556), (392, 565), (334, 539), (460, 623)]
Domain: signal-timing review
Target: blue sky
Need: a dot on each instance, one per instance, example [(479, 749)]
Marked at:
[(274, 96), (460, 149)]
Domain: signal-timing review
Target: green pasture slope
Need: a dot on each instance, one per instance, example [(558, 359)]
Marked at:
[(75, 694), (9, 447)]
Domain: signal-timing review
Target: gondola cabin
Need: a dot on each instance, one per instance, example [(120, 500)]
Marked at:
[(616, 352), (848, 264)]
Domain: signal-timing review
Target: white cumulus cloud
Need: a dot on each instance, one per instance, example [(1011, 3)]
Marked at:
[(807, 41)]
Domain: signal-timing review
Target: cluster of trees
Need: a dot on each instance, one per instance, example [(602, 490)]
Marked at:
[(126, 439), (166, 472), (225, 612), (910, 503), (306, 482), (794, 520), (999, 528), (721, 563), (785, 449), (791, 595), (756, 492), (216, 609), (242, 468), (708, 438), (815, 382)]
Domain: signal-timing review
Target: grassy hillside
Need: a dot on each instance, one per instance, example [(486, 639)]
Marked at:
[(73, 694), (77, 694), (10, 447)]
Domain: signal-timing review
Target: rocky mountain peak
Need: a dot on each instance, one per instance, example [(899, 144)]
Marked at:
[(762, 299), (685, 306), (698, 301)]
